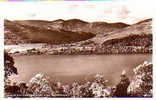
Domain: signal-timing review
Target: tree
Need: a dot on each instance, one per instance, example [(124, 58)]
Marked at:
[(121, 88), (141, 85), (9, 67), (39, 86)]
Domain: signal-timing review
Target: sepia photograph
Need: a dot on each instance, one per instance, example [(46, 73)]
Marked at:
[(78, 50)]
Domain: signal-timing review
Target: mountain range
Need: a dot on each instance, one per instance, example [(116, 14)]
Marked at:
[(55, 32), (79, 37)]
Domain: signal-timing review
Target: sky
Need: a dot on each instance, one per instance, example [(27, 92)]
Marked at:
[(127, 11)]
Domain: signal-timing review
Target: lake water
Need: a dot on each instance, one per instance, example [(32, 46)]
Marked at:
[(68, 69)]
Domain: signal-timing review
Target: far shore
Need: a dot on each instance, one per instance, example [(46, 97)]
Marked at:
[(71, 49)]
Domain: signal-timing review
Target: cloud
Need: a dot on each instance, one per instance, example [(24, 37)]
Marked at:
[(130, 11)]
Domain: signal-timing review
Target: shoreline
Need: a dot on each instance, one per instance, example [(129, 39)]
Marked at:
[(44, 49)]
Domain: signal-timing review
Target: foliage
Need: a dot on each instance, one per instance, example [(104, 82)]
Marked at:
[(41, 86), (141, 86), (9, 67)]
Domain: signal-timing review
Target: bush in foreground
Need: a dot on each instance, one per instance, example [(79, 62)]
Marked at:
[(40, 85)]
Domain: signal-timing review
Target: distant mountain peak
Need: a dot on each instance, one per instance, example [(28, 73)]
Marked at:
[(61, 31)]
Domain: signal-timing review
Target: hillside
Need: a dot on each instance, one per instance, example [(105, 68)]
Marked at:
[(135, 38), (131, 39), (55, 32)]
